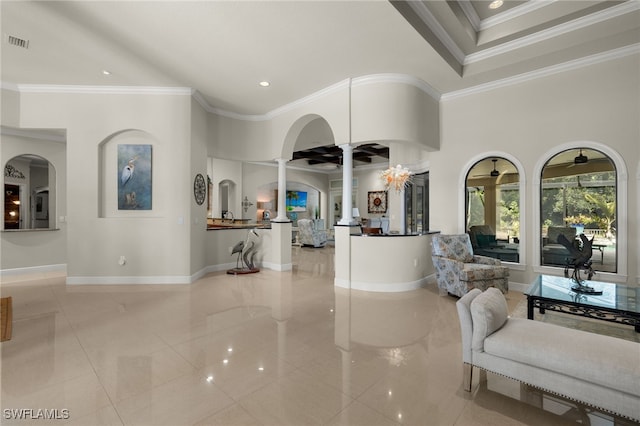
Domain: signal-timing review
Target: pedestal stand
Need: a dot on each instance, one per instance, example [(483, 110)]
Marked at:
[(242, 271)]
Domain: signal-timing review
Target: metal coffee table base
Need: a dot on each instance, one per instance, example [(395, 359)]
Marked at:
[(599, 313)]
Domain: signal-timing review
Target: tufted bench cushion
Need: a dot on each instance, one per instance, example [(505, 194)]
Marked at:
[(604, 360), (601, 371)]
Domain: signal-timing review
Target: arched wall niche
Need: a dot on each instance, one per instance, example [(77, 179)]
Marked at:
[(29, 196), (227, 200), (109, 173)]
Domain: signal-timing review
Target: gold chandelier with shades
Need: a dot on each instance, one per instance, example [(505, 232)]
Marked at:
[(397, 177)]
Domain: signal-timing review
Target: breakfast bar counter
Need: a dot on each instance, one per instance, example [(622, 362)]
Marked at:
[(384, 263)]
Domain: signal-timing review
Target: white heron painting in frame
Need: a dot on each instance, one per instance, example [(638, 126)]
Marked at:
[(134, 177)]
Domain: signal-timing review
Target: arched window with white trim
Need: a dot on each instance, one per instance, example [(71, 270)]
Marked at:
[(579, 195), (492, 208)]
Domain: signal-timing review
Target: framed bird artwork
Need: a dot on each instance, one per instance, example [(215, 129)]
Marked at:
[(134, 177)]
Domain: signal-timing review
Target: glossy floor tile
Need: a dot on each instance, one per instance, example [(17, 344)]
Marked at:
[(264, 349)]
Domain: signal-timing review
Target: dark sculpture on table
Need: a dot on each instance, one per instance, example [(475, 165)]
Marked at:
[(581, 251), (247, 251)]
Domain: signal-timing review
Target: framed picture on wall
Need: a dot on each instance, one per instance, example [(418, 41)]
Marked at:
[(134, 177), (377, 202)]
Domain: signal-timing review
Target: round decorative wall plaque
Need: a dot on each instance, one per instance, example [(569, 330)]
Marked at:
[(199, 189)]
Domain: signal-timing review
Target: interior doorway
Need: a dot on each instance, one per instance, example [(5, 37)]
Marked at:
[(416, 198), (12, 207)]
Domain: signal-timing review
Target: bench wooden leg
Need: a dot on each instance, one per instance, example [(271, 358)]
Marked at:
[(6, 318), (467, 375)]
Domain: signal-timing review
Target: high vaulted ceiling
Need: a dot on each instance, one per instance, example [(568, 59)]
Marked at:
[(223, 49)]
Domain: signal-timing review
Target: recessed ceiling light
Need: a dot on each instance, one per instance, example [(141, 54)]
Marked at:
[(264, 84), (495, 4), (106, 72)]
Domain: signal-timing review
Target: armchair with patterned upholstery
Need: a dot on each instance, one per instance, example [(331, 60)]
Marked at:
[(309, 236), (458, 270)]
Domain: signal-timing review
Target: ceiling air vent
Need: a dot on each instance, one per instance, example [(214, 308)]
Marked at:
[(17, 41)]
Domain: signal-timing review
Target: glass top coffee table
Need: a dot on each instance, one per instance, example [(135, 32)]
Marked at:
[(617, 303)]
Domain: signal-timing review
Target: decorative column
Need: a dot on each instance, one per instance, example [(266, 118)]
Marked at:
[(347, 185), (282, 191)]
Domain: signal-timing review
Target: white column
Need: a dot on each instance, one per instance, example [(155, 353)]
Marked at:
[(403, 211), (347, 185), (282, 191)]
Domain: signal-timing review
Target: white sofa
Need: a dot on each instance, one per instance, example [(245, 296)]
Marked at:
[(597, 370)]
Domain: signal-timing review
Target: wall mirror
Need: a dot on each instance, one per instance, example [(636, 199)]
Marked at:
[(579, 196), (493, 209), (29, 193)]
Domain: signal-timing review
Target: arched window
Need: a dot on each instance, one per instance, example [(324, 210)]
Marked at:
[(579, 195), (492, 208)]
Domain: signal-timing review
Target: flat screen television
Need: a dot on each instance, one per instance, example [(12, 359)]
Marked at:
[(296, 201)]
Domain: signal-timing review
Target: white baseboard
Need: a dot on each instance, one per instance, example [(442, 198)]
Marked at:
[(133, 280), (32, 273), (169, 279), (278, 267)]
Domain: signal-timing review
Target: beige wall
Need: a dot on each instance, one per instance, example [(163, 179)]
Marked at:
[(599, 103), (383, 111), (155, 243), (199, 144), (10, 107)]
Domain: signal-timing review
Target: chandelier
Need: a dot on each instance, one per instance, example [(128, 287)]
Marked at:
[(396, 177)]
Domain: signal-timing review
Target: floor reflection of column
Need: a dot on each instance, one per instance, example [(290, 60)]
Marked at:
[(346, 376), (282, 344), (342, 337)]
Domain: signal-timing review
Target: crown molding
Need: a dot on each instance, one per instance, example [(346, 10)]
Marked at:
[(513, 13), (558, 30), (276, 112), (224, 113), (544, 72), (341, 85), (334, 88), (9, 86), (471, 14), (103, 90), (427, 17), (354, 82), (396, 78)]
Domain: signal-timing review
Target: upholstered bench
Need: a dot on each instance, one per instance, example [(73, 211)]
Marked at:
[(597, 370)]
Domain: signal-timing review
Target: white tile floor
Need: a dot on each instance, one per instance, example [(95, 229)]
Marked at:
[(264, 349)]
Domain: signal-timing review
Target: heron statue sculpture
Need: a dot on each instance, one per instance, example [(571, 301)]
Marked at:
[(246, 251)]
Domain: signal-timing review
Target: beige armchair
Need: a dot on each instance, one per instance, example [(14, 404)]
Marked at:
[(458, 270), (309, 236)]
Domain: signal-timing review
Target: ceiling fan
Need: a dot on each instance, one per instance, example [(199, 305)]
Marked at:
[(581, 158), (494, 173)]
